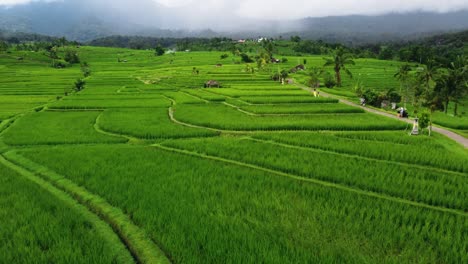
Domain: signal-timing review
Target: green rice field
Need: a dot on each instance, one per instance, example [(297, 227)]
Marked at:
[(145, 165)]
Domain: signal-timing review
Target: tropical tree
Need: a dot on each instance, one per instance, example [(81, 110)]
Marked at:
[(428, 73), (314, 77), (403, 76), (457, 81), (262, 60), (3, 46), (71, 56), (79, 84), (61, 42), (159, 51), (432, 100), (295, 39), (52, 52), (249, 69), (340, 61), (269, 47)]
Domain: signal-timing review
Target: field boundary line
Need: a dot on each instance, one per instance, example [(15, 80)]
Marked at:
[(101, 226), (139, 244), (173, 119), (314, 181), (98, 129), (240, 109), (5, 124), (349, 155), (197, 97)]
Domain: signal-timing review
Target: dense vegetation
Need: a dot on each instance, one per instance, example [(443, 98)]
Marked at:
[(257, 168)]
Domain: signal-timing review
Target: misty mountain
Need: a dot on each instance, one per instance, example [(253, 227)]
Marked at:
[(388, 27), (85, 20)]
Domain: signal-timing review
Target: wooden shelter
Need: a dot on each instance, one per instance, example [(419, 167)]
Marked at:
[(212, 83), (299, 67)]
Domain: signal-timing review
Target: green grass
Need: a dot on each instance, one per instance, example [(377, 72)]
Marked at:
[(111, 102), (412, 150), (183, 98), (38, 227), (286, 99), (31, 82), (56, 128), (253, 172), (150, 123), (459, 122), (412, 183), (301, 109), (223, 117), (204, 95), (205, 211), (245, 93)]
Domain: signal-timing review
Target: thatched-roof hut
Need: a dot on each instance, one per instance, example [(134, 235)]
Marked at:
[(212, 83)]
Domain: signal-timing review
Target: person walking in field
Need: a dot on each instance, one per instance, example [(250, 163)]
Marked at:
[(315, 92)]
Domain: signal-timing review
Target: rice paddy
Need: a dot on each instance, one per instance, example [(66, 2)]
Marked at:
[(144, 165)]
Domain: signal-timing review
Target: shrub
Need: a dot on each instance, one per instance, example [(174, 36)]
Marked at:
[(79, 84), (245, 58), (159, 51), (59, 64), (393, 96), (85, 69), (424, 119), (371, 96), (329, 81), (71, 57)]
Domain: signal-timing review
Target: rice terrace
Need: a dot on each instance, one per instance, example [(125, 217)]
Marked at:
[(227, 150)]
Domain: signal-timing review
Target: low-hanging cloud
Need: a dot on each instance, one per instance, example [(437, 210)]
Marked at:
[(313, 8), (285, 10), (293, 9), (20, 2), (219, 15)]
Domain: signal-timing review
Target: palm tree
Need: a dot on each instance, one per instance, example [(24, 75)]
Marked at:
[(428, 73), (314, 77), (403, 76), (430, 97), (339, 62), (458, 81)]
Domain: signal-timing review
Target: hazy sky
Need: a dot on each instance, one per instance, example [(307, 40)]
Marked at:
[(290, 9)]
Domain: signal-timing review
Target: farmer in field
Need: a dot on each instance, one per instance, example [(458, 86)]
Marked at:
[(315, 92), (402, 112)]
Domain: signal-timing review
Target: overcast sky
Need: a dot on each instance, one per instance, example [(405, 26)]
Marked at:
[(291, 9)]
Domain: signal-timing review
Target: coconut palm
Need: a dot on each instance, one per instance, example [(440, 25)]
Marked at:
[(314, 77), (457, 82), (339, 61), (403, 76)]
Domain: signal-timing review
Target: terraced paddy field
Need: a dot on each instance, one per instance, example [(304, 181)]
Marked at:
[(146, 166)]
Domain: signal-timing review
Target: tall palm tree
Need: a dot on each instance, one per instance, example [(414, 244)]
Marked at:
[(314, 77), (458, 81), (403, 76), (428, 73), (453, 83), (339, 62), (429, 78)]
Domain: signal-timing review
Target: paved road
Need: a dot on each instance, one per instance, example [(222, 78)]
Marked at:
[(458, 138)]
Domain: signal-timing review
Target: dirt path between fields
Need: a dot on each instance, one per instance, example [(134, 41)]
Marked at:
[(454, 136)]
